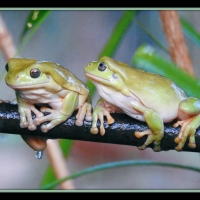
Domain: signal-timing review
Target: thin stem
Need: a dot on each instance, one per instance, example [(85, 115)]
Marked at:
[(175, 38)]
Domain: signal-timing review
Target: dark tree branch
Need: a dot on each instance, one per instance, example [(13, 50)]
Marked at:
[(120, 132)]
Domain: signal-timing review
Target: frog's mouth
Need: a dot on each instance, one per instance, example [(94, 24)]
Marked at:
[(31, 86), (96, 78)]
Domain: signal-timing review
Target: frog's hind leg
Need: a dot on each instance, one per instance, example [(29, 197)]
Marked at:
[(156, 127), (151, 138)]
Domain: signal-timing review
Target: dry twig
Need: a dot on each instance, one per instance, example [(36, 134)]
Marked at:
[(175, 38)]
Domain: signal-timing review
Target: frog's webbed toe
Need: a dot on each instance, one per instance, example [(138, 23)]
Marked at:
[(152, 138), (94, 130), (188, 130), (54, 118), (46, 127), (23, 124), (84, 112), (32, 127), (27, 124), (98, 115), (26, 120), (40, 119)]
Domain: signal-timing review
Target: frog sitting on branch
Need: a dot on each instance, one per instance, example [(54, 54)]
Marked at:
[(51, 86), (144, 96)]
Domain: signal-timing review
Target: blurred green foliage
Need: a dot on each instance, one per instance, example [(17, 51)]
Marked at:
[(145, 58)]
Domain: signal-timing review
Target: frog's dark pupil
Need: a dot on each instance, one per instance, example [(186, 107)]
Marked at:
[(6, 67), (35, 73), (102, 66)]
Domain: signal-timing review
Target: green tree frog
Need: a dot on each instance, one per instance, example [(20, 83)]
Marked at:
[(143, 96), (51, 86)]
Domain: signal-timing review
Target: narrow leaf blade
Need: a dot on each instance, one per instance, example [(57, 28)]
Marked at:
[(35, 17), (190, 32)]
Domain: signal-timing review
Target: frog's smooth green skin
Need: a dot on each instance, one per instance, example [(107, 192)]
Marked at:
[(144, 96), (51, 86)]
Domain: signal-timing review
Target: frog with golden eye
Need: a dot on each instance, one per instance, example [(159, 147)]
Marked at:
[(51, 86), (143, 96)]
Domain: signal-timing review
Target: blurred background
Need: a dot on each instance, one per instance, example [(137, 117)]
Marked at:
[(73, 38)]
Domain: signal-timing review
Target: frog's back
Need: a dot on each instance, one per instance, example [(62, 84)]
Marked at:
[(154, 91), (157, 93)]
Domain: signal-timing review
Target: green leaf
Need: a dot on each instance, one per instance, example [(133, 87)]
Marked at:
[(118, 33), (190, 32), (113, 42), (125, 163), (148, 59), (48, 177), (66, 146), (35, 19)]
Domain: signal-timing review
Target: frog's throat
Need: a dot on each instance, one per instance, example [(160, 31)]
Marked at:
[(96, 78)]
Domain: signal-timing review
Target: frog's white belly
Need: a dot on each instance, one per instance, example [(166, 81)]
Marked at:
[(125, 104), (120, 101), (42, 96)]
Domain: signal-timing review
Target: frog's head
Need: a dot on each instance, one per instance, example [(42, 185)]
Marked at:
[(107, 72), (25, 73)]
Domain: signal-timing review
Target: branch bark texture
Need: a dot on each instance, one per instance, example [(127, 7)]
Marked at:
[(120, 132)]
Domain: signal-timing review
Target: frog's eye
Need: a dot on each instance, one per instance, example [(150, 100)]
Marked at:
[(35, 73), (7, 67), (102, 66)]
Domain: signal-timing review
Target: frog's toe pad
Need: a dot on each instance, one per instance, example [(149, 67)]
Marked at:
[(44, 128), (37, 121), (157, 149), (24, 124), (110, 120), (142, 147), (79, 123), (177, 148), (192, 145), (94, 130), (102, 131), (138, 135), (177, 140), (32, 127)]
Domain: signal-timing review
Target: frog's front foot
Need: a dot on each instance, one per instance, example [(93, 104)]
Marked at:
[(99, 114), (46, 127), (85, 111), (188, 129), (152, 138), (26, 120), (55, 118), (25, 124)]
